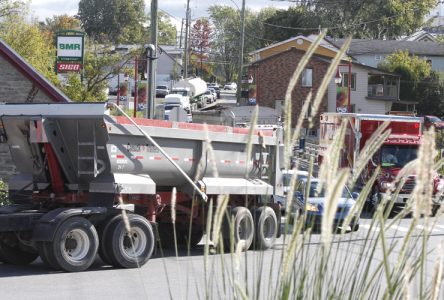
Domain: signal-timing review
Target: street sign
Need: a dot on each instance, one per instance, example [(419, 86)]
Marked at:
[(63, 67), (70, 48)]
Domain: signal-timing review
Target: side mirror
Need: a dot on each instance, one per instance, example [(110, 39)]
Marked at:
[(355, 195)]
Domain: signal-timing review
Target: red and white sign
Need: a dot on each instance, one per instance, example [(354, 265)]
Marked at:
[(68, 67)]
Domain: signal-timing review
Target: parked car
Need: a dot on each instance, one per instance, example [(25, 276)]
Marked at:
[(286, 180), (208, 97), (213, 91), (314, 205), (162, 91), (217, 89), (230, 86), (433, 121)]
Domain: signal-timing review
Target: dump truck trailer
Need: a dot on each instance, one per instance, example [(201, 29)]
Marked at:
[(84, 176)]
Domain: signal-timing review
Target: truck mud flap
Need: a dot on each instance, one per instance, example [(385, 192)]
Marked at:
[(48, 224)]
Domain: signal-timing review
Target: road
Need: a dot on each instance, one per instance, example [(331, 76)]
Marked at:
[(183, 277)]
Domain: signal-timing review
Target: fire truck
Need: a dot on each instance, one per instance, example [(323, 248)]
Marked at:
[(91, 183), (398, 149)]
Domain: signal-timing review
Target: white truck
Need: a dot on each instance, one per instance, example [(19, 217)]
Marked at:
[(186, 91)]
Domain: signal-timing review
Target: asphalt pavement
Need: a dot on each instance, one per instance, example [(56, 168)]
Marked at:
[(166, 276)]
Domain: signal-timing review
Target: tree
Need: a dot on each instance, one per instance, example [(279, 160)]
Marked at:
[(200, 37), (117, 21), (11, 7), (430, 95), (284, 24), (380, 19), (28, 41), (60, 23), (412, 69), (101, 64), (225, 38), (166, 30)]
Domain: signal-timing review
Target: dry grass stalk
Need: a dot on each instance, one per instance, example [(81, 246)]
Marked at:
[(437, 276), (423, 191), (249, 147), (219, 214)]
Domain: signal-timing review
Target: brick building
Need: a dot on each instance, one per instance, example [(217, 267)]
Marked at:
[(21, 83), (272, 76)]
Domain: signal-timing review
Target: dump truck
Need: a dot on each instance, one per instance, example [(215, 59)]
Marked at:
[(398, 149), (89, 182)]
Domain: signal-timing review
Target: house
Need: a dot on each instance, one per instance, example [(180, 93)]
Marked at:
[(373, 52), (21, 83), (168, 67), (371, 90)]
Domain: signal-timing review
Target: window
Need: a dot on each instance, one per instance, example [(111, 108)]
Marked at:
[(344, 82), (378, 57), (307, 78)]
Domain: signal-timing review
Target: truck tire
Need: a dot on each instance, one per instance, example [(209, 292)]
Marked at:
[(130, 249), (166, 236), (44, 248), (103, 232), (14, 255), (74, 246), (243, 229), (266, 227)]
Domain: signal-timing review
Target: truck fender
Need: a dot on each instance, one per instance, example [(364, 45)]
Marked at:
[(47, 226)]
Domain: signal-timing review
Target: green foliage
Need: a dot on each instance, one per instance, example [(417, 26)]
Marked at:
[(430, 95), (11, 7), (373, 19), (226, 38), (295, 17), (412, 70), (117, 21), (3, 193), (59, 23), (166, 30), (101, 64), (28, 41)]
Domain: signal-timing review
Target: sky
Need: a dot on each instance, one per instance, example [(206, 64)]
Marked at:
[(175, 8)]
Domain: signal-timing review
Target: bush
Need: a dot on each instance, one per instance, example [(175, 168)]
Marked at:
[(3, 193)]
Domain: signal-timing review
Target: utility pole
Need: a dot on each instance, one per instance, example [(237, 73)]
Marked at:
[(187, 25), (241, 54), (151, 60)]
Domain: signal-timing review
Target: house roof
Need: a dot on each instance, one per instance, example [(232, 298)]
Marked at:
[(310, 38), (362, 46), (31, 73)]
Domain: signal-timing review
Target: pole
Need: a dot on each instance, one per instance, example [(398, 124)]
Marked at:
[(241, 55), (187, 25), (349, 86), (152, 61), (118, 88), (136, 67)]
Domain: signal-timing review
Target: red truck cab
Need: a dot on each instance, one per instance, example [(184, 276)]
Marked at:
[(398, 149)]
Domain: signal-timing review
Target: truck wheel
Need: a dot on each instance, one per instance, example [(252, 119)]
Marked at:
[(14, 255), (103, 232), (266, 227), (243, 227), (44, 249), (74, 246), (130, 249), (166, 236)]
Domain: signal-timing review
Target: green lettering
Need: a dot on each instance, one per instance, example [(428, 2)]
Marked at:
[(69, 46)]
